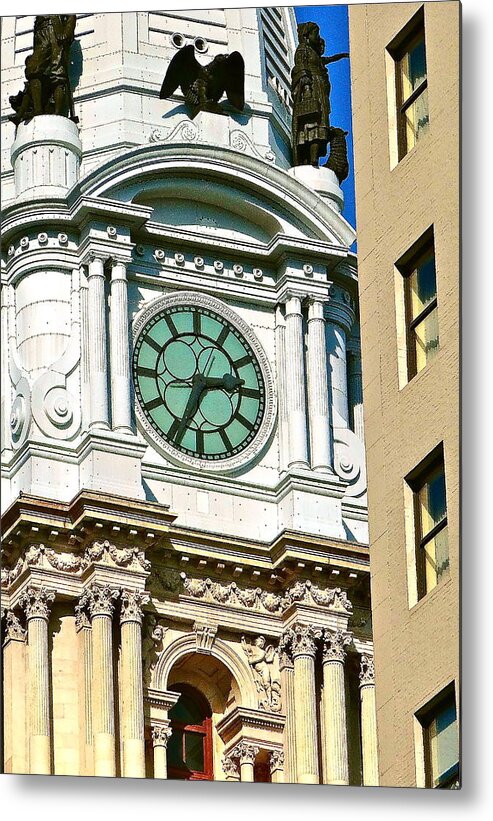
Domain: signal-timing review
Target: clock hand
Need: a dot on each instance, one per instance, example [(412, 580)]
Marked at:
[(228, 382), (198, 383)]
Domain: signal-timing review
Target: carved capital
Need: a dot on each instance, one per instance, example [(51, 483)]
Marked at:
[(334, 644), (276, 760), (14, 631), (36, 602), (301, 640), (160, 734), (367, 671), (82, 620), (132, 602), (231, 768), (245, 752), (99, 599)]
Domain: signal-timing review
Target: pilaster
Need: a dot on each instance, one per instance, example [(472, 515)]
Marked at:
[(334, 706), (368, 722)]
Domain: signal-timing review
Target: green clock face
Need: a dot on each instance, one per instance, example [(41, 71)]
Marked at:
[(198, 382)]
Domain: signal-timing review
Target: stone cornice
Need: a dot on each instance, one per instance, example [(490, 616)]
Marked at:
[(244, 721)]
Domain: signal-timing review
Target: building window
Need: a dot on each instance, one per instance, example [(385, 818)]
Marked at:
[(421, 311), (189, 750), (441, 741), (411, 84), (430, 517)]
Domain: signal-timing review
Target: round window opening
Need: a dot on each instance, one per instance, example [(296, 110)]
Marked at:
[(201, 45), (177, 39)]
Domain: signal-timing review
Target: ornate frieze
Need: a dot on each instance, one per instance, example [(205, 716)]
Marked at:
[(107, 553), (132, 602), (262, 659), (334, 644), (254, 598), (160, 733), (99, 599), (276, 760), (14, 631), (367, 671), (205, 635), (36, 602)]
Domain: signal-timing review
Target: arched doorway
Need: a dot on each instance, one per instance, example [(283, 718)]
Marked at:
[(189, 751)]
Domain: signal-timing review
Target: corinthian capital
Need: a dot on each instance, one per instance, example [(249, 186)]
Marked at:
[(99, 599), (132, 603), (301, 640), (14, 630), (334, 645), (160, 734), (245, 752), (367, 671), (230, 767), (36, 602), (276, 760)]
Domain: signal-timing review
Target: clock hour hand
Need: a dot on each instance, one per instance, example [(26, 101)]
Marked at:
[(228, 382), (198, 384)]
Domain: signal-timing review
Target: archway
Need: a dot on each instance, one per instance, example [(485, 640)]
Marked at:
[(190, 752)]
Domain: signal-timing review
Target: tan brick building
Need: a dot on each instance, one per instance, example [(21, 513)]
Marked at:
[(405, 89)]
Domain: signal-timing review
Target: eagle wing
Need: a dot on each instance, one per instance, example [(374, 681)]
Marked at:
[(231, 76), (182, 71)]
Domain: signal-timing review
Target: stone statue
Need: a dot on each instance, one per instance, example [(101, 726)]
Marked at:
[(152, 646), (203, 86), (310, 89), (47, 87), (338, 161), (261, 660)]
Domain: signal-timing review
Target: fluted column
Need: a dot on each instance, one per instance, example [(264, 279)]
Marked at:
[(160, 734), (334, 707), (246, 753), (339, 314), (132, 695), (100, 601), (98, 356), (14, 706), (355, 379), (303, 648), (36, 602), (276, 764), (83, 628), (318, 389), (281, 389), (295, 384), (286, 668), (119, 348), (368, 722)]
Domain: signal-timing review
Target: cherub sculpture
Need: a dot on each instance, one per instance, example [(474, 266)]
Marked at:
[(203, 86), (261, 658)]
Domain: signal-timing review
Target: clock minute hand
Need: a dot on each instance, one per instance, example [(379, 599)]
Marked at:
[(198, 383)]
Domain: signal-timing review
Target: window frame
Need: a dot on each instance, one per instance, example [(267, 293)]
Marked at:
[(204, 729), (426, 716)]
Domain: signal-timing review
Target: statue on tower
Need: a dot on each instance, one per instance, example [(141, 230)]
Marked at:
[(310, 88), (47, 87), (203, 86)]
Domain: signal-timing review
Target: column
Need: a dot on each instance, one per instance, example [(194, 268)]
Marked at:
[(286, 668), (14, 700), (98, 357), (281, 389), (339, 313), (36, 602), (132, 694), (368, 722), (246, 753), (231, 768), (277, 766), (119, 349), (100, 600), (355, 379), (334, 707), (303, 649), (295, 384), (318, 390), (83, 628), (160, 734)]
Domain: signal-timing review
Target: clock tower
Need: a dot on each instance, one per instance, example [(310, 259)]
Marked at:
[(183, 466)]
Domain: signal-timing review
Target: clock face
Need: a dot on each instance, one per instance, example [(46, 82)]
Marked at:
[(198, 382)]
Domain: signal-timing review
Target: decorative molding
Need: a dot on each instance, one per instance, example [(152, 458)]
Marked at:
[(367, 671), (105, 552), (334, 644), (205, 635), (308, 593), (276, 760), (39, 555), (262, 659), (131, 605), (14, 631), (245, 752), (36, 602), (99, 599), (160, 733), (231, 767)]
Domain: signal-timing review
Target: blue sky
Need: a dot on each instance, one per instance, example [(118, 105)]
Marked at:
[(334, 28)]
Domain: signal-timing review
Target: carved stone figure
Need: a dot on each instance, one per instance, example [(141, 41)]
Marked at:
[(310, 89), (261, 659), (203, 86), (152, 646), (338, 161), (47, 87)]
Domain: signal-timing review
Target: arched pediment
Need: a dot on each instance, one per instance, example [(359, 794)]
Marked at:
[(218, 190)]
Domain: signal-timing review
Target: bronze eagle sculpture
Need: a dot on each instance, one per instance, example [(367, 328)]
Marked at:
[(203, 86)]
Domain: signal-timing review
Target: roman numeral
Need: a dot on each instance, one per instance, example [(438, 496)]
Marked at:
[(146, 371), (222, 336), (154, 403), (253, 393), (152, 343), (226, 440), (245, 422), (196, 323), (245, 360)]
